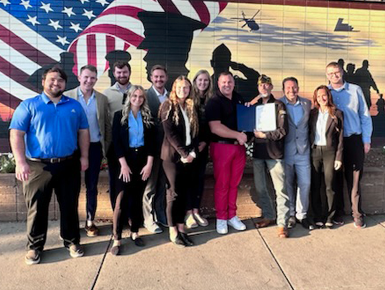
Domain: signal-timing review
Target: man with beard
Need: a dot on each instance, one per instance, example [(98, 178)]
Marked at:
[(44, 133), (95, 105), (268, 155), (227, 151), (116, 95), (153, 198)]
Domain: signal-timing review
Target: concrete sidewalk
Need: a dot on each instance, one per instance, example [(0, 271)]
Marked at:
[(340, 258)]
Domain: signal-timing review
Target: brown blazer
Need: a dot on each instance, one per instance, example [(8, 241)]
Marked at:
[(103, 117), (173, 146), (334, 131)]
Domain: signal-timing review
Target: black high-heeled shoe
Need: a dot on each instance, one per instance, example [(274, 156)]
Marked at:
[(186, 239), (178, 241)]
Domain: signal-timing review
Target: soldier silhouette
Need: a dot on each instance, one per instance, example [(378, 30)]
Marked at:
[(221, 62), (168, 39), (341, 62), (114, 56), (350, 76), (365, 81), (66, 63)]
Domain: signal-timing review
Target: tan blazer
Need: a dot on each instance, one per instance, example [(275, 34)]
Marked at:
[(102, 115)]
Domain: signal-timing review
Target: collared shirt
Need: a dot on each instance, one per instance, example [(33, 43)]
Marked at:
[(350, 100), (135, 130), (90, 107), (187, 125), (221, 108), (320, 133), (295, 111), (162, 97), (119, 88), (50, 131)]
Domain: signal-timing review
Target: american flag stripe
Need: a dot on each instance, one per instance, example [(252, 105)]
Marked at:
[(14, 88), (204, 12), (19, 44), (13, 72), (8, 99)]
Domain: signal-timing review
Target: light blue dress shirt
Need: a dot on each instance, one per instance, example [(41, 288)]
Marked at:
[(135, 130), (92, 115), (350, 100), (295, 111)]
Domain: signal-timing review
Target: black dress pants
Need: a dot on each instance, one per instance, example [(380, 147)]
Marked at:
[(322, 167), (64, 178), (130, 195), (179, 182)]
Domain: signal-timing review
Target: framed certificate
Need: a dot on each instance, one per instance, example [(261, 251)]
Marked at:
[(265, 119)]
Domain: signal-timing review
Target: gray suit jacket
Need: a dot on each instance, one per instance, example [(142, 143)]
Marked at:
[(102, 115), (297, 139)]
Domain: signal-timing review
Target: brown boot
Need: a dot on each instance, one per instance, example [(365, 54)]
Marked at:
[(264, 223), (283, 232)]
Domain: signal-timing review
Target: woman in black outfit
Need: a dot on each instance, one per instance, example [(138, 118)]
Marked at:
[(133, 138), (202, 91), (326, 138), (180, 123)]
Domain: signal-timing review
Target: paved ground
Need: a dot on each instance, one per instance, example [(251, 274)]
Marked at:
[(341, 258)]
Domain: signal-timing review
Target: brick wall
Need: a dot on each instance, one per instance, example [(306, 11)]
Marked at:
[(12, 205)]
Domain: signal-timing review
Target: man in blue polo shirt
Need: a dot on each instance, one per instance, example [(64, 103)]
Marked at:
[(358, 128), (44, 133)]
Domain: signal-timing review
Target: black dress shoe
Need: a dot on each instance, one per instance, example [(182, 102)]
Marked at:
[(307, 225), (138, 242), (179, 241), (186, 239)]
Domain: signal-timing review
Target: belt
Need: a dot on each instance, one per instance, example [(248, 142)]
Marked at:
[(137, 149), (228, 142), (51, 160)]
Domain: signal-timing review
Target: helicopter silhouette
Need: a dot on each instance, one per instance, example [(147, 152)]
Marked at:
[(250, 22)]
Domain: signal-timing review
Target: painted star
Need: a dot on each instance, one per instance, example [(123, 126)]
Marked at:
[(84, 1), (5, 2), (33, 20), (75, 27), (62, 40), (68, 11), (102, 2), (26, 4), (46, 7), (88, 14), (55, 24)]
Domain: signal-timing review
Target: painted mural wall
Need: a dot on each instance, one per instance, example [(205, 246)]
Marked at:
[(296, 39)]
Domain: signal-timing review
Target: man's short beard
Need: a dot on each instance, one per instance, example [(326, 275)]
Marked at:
[(123, 84), (56, 95)]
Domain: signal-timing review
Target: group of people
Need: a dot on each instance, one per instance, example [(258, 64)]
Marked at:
[(157, 145)]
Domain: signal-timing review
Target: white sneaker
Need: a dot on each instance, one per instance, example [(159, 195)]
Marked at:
[(236, 223), (222, 227)]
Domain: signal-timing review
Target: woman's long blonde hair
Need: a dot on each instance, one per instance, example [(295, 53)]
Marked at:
[(195, 93), (144, 109), (189, 103)]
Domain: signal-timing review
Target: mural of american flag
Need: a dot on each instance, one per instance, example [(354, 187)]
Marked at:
[(34, 33)]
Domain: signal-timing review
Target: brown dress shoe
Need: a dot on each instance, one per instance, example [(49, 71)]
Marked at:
[(283, 232), (264, 223)]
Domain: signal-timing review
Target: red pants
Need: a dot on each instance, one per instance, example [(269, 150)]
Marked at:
[(228, 162)]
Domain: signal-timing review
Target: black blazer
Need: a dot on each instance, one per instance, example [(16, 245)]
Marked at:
[(334, 131), (120, 137), (173, 146)]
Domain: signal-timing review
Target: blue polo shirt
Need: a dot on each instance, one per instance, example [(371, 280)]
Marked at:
[(51, 130)]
